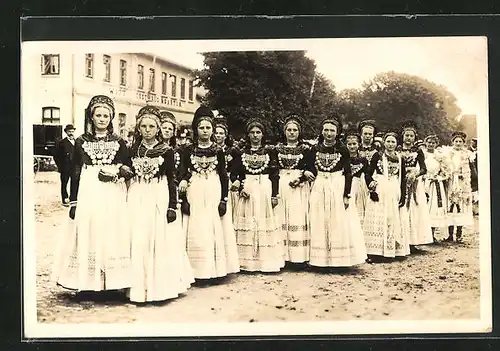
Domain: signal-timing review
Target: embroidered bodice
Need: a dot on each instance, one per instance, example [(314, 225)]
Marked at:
[(291, 157), (359, 165)]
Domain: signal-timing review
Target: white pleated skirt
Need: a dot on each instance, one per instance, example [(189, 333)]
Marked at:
[(336, 233), (210, 254), (160, 265), (94, 252), (260, 245), (415, 220), (382, 224), (292, 214)]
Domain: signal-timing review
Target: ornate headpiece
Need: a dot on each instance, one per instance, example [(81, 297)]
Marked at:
[(392, 134), (220, 122), (293, 118), (432, 137), (150, 111), (102, 101), (370, 123), (166, 116), (352, 133), (203, 113), (409, 125), (255, 122), (334, 121), (458, 135)]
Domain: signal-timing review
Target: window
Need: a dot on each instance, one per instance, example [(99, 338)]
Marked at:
[(122, 122), (50, 64), (163, 83), (183, 88), (140, 77), (191, 89), (123, 72), (107, 67), (89, 65), (51, 115), (174, 85), (152, 80)]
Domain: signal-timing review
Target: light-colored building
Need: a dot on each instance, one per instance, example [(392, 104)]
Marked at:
[(61, 86)]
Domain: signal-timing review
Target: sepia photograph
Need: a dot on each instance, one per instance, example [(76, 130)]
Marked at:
[(335, 186)]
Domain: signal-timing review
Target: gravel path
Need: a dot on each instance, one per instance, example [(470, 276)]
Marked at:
[(442, 282)]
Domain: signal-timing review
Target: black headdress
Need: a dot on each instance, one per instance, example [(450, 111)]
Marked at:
[(367, 123), (203, 113), (352, 133), (409, 125)]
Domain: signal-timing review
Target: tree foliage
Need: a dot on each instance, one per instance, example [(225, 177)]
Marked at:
[(391, 98), (266, 85)]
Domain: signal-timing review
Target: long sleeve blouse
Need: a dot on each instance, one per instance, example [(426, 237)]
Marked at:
[(197, 160), (255, 162), (154, 163), (331, 159)]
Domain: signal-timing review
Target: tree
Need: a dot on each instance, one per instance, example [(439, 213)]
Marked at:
[(391, 98), (268, 85)]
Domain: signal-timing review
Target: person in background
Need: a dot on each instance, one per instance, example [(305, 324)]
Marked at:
[(474, 177), (130, 138), (459, 187), (360, 173), (63, 158), (435, 184)]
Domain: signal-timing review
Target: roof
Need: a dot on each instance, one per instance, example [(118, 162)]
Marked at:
[(170, 62)]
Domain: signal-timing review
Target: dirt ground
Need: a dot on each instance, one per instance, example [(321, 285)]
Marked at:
[(442, 282)]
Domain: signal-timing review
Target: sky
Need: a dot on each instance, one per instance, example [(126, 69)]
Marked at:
[(459, 63)]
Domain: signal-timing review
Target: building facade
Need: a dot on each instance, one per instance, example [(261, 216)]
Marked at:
[(62, 86)]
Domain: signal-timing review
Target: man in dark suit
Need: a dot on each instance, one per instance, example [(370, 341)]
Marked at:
[(64, 159)]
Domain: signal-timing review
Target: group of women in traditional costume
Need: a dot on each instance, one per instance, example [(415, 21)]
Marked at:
[(153, 217)]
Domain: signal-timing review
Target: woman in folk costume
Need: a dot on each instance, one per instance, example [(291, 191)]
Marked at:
[(415, 217), (292, 212), (95, 254), (260, 246), (160, 267), (435, 183), (382, 224), (367, 148), (225, 142), (360, 174), (336, 234), (205, 182), (459, 187)]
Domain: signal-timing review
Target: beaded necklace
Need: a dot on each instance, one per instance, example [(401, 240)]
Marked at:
[(325, 161), (255, 163), (287, 159), (146, 167), (204, 164), (101, 152)]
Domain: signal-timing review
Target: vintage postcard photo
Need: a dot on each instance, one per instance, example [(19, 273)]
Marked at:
[(256, 187)]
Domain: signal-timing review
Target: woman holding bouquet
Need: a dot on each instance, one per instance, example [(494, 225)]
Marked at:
[(459, 189), (95, 254), (160, 266), (292, 211), (435, 184)]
